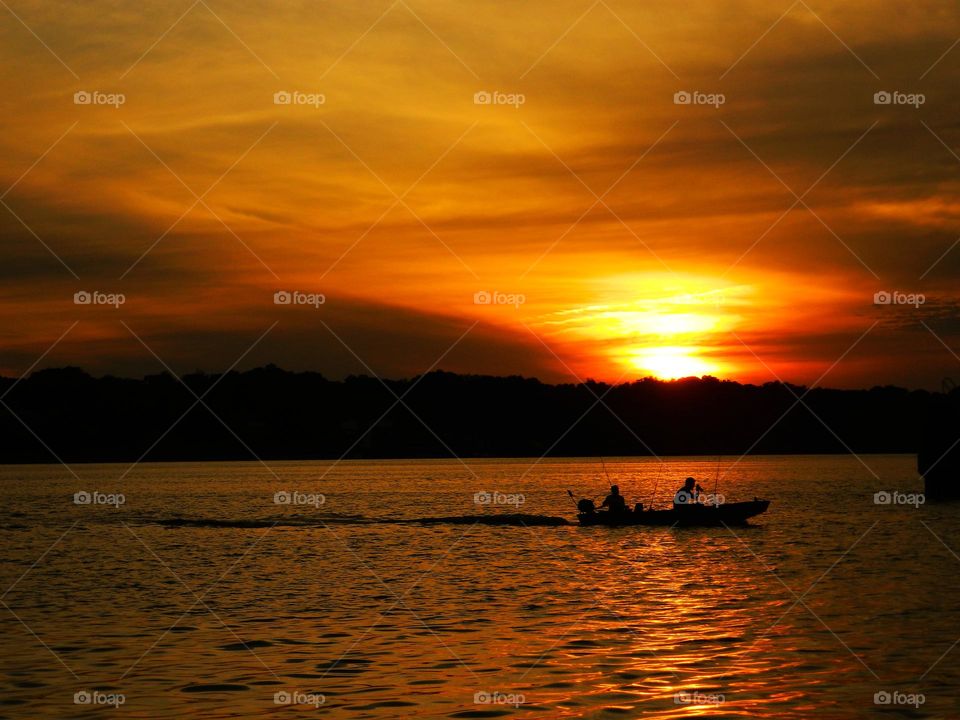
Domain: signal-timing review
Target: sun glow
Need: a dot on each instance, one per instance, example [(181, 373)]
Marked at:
[(656, 326), (670, 363), (620, 323)]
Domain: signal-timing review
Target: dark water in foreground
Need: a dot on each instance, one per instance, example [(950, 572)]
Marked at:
[(200, 596)]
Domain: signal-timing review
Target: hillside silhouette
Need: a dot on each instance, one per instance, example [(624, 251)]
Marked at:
[(276, 414)]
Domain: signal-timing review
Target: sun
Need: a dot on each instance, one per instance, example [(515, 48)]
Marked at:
[(666, 327), (670, 363)]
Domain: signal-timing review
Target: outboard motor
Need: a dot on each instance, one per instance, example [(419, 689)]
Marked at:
[(586, 507)]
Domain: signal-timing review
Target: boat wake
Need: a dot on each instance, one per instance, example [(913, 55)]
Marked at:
[(516, 519)]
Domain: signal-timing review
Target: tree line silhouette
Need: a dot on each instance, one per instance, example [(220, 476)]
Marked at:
[(271, 413)]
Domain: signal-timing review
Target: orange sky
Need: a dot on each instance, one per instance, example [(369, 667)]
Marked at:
[(626, 234)]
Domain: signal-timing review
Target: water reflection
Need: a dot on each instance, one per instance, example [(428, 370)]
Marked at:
[(805, 614)]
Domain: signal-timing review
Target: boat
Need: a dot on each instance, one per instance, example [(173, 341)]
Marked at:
[(693, 516)]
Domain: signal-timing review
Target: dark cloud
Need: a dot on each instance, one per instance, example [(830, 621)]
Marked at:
[(344, 336)]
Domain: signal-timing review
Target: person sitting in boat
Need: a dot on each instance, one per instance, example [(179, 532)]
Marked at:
[(688, 495), (614, 501)]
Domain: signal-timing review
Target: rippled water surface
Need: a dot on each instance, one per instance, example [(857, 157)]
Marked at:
[(201, 596)]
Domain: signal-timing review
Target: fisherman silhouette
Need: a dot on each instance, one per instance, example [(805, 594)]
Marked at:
[(614, 501), (688, 495)]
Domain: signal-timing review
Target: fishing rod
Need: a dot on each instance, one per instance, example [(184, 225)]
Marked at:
[(605, 470), (656, 483), (606, 475), (716, 480)]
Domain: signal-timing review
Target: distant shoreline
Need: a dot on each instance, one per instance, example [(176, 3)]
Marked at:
[(67, 415)]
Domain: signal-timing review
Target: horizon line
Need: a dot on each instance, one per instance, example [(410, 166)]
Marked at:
[(440, 371)]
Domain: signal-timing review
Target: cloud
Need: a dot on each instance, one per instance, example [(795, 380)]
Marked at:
[(305, 196)]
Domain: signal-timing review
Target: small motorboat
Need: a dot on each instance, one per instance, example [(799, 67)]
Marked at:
[(692, 516)]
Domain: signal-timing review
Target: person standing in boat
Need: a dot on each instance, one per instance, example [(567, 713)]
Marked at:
[(614, 501), (688, 495)]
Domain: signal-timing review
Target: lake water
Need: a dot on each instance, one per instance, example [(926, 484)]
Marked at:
[(254, 608)]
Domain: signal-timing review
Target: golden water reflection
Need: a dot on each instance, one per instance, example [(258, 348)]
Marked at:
[(387, 620)]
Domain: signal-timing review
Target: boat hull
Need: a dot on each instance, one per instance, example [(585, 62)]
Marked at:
[(694, 516)]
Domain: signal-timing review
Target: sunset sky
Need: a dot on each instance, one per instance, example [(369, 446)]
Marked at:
[(622, 234)]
